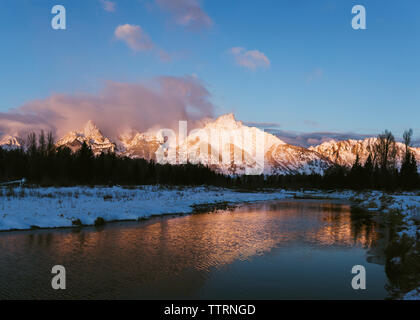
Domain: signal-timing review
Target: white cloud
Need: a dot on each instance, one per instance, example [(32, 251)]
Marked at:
[(187, 13), (138, 40), (251, 59), (134, 37), (108, 5)]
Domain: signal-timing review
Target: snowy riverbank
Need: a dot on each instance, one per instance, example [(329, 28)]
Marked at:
[(26, 208)]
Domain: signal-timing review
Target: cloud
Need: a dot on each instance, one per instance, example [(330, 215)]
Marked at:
[(138, 40), (134, 37), (156, 103), (263, 125), (314, 138), (187, 13), (251, 59), (108, 5)]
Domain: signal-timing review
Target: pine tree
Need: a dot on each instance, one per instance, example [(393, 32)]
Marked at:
[(368, 172), (50, 143), (42, 145), (355, 175)]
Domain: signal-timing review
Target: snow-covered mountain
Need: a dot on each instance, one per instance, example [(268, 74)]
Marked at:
[(228, 146), (91, 135), (344, 152), (224, 144), (139, 145), (288, 159), (10, 142)]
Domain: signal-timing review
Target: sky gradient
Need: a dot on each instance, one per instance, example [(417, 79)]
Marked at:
[(296, 65)]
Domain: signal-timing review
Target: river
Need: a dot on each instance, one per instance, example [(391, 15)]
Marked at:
[(294, 249)]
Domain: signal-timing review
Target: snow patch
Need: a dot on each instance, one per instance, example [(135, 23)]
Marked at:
[(59, 207)]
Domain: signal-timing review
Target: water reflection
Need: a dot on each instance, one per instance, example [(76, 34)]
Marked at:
[(178, 257)]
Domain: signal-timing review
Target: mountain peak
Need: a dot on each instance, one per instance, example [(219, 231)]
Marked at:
[(91, 130), (7, 138), (10, 142), (228, 117), (91, 135), (227, 121)]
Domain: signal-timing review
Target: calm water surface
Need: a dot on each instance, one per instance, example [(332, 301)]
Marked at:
[(301, 249)]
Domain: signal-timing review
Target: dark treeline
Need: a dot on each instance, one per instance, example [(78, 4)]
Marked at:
[(41, 163)]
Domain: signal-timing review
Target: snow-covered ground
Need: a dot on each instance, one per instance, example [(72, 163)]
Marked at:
[(412, 295), (24, 208), (407, 204)]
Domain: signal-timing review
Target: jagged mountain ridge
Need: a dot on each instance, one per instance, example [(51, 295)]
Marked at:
[(290, 159), (139, 145), (218, 143), (91, 135), (9, 142), (344, 152)]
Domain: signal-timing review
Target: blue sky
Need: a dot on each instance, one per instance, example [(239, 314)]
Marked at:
[(312, 72)]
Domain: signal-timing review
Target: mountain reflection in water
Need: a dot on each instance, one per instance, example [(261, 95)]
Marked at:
[(254, 251)]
